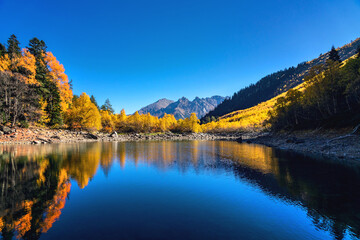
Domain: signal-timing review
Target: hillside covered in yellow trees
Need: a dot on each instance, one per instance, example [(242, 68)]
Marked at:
[(34, 89)]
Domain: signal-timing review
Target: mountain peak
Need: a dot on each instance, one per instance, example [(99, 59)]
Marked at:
[(183, 107), (156, 106)]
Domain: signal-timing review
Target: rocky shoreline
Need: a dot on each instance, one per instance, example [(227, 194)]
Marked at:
[(46, 136), (331, 144)]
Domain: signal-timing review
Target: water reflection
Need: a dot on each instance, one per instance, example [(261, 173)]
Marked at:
[(35, 180)]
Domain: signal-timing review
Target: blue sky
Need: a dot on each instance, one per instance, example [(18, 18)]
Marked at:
[(136, 52)]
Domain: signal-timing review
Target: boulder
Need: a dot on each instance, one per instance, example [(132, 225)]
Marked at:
[(5, 129), (239, 140), (114, 134), (91, 136), (43, 140), (56, 137)]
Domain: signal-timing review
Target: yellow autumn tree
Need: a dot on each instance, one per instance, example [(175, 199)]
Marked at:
[(135, 122), (190, 124), (5, 63), (167, 122), (150, 123), (83, 114), (24, 64), (57, 73), (27, 61), (121, 122), (107, 121)]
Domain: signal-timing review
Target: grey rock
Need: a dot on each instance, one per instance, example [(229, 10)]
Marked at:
[(43, 140), (5, 129), (91, 136), (114, 134)]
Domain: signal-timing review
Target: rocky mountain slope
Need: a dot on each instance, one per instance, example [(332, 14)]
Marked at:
[(183, 107), (156, 106)]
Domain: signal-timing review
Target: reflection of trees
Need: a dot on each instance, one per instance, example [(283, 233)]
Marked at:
[(33, 192), (328, 190), (82, 162), (53, 211), (34, 180)]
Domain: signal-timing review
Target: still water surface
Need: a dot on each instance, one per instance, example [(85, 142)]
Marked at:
[(174, 190)]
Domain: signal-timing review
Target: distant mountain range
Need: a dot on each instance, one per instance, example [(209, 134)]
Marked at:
[(275, 83), (183, 107)]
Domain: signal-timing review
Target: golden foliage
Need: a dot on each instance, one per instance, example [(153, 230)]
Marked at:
[(83, 114), (107, 121), (25, 63), (147, 123), (254, 118), (5, 63), (167, 122), (44, 116), (190, 124), (57, 73)]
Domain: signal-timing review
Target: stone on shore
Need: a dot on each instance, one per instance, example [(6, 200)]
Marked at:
[(5, 129)]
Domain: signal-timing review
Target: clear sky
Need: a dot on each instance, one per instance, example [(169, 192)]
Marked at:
[(136, 52)]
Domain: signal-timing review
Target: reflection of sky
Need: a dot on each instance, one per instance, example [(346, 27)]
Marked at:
[(144, 201), (194, 189)]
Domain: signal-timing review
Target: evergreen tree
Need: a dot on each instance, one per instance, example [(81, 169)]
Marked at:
[(2, 50), (107, 106), (93, 100), (47, 89), (75, 97), (54, 108), (13, 46), (358, 52), (334, 55)]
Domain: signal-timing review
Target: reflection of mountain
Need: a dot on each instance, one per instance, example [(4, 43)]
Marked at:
[(34, 180)]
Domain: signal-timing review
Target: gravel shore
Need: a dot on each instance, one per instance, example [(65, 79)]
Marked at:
[(332, 144), (45, 136), (328, 143)]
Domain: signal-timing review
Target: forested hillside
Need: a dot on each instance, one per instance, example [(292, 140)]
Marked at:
[(34, 90), (328, 98), (274, 84), (331, 98)]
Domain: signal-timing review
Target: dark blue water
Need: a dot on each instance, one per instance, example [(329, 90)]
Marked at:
[(174, 190)]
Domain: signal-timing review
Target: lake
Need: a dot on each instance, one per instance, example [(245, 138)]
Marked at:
[(174, 190)]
